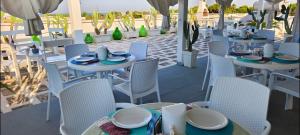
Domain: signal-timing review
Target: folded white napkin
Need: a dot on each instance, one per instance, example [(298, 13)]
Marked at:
[(173, 119)]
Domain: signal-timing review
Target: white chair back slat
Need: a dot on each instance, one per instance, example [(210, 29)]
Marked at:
[(84, 103), (139, 50), (143, 76), (290, 49), (55, 81), (242, 101), (75, 50)]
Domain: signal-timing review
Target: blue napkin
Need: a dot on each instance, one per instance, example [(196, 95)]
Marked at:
[(191, 130), (84, 63)]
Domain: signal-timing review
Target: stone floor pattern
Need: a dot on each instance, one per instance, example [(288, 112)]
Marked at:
[(162, 47)]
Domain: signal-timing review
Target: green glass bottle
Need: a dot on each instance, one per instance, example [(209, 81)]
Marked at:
[(88, 39), (117, 35), (143, 32)]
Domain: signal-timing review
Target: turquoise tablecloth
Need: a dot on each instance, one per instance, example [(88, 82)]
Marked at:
[(191, 130)]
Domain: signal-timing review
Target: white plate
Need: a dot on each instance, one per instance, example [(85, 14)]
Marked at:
[(287, 57), (242, 51), (116, 59), (206, 119), (131, 117), (119, 53), (252, 57), (84, 59)]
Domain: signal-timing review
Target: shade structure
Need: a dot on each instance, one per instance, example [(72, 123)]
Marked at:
[(29, 11), (223, 5), (162, 6)]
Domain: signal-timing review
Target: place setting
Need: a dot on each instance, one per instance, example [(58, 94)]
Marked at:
[(176, 118)]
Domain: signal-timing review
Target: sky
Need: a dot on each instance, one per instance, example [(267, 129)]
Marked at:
[(136, 5)]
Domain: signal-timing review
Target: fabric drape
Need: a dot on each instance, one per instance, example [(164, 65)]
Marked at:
[(29, 11), (162, 6)]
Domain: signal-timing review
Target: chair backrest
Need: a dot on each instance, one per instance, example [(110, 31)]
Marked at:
[(139, 50), (220, 67), (53, 31), (290, 48), (242, 101), (75, 50), (84, 103), (143, 76), (217, 48), (218, 32), (55, 81), (218, 38), (269, 34)]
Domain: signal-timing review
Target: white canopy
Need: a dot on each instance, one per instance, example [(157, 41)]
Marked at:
[(29, 10)]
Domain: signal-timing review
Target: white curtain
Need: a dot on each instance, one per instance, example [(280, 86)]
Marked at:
[(162, 6), (29, 10), (223, 5)]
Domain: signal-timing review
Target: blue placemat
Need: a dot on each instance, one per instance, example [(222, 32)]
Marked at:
[(106, 62), (191, 130), (142, 130)]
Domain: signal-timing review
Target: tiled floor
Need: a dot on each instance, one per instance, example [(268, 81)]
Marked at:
[(162, 47)]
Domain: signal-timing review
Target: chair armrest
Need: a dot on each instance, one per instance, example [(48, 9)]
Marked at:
[(200, 104), (267, 128), (283, 75), (124, 105), (114, 76), (255, 74)]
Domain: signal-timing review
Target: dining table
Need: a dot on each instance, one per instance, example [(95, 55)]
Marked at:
[(94, 128), (265, 67), (100, 67)]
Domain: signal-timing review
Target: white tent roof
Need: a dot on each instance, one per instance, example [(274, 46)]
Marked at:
[(104, 6)]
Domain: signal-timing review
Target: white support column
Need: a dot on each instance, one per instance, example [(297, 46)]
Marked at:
[(182, 16), (75, 17)]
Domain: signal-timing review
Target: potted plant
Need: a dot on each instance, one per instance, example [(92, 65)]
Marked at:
[(190, 55), (284, 17), (155, 31), (257, 20), (106, 24), (128, 21)]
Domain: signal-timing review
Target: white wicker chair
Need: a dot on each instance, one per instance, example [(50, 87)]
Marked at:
[(142, 80), (242, 101), (139, 51), (290, 49), (289, 86), (269, 34), (84, 103), (223, 67), (216, 47), (75, 50), (55, 83)]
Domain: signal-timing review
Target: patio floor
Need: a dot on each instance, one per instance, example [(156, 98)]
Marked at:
[(185, 82)]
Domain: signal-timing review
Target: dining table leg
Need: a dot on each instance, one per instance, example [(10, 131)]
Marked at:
[(265, 76)]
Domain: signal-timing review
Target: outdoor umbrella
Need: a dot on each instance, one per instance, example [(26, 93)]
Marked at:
[(224, 4), (29, 11), (162, 6)]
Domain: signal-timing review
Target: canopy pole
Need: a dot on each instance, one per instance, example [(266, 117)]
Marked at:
[(75, 17), (182, 16)]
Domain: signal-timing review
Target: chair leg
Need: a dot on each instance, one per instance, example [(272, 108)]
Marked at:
[(158, 96), (48, 106), (205, 76), (288, 102), (207, 93)]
